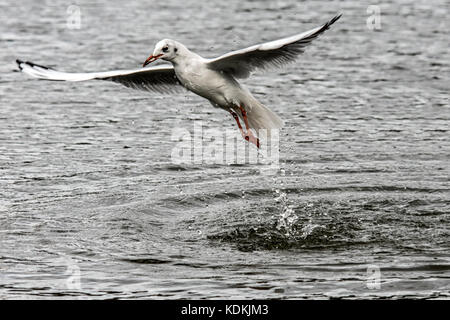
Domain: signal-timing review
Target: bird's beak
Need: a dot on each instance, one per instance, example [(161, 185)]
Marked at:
[(151, 59)]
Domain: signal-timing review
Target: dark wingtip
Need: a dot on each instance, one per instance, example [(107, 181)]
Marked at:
[(335, 18), (32, 64), (19, 62)]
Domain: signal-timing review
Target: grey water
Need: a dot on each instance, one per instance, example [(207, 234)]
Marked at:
[(93, 206)]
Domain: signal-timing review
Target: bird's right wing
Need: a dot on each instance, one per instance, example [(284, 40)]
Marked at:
[(161, 79)]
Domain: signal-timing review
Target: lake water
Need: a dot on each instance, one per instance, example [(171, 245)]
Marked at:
[(92, 204)]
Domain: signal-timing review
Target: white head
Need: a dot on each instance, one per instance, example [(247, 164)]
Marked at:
[(165, 49)]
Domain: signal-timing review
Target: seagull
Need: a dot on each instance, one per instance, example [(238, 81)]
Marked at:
[(214, 79)]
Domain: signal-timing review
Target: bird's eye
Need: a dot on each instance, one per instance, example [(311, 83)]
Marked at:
[(165, 49)]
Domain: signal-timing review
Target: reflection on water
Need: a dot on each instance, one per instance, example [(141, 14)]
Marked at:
[(92, 206)]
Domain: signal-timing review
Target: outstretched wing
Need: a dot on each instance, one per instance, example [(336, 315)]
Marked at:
[(276, 53), (161, 79)]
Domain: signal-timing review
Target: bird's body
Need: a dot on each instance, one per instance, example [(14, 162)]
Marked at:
[(220, 88), (193, 73), (212, 79)]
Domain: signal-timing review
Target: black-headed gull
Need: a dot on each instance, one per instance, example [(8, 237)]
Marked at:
[(213, 79)]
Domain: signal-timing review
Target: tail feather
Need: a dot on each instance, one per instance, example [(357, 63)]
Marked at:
[(261, 117)]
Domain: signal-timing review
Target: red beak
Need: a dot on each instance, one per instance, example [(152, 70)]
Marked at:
[(151, 59)]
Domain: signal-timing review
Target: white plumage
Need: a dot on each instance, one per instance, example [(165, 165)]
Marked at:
[(213, 79)]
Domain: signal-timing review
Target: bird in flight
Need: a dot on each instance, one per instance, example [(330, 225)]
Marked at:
[(213, 79)]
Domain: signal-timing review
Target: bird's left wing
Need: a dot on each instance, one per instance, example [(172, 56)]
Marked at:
[(276, 53), (161, 79)]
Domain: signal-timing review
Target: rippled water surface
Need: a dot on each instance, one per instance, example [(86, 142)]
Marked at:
[(89, 191)]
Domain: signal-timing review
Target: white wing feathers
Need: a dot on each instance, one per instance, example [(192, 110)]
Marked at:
[(159, 78), (242, 63), (239, 64)]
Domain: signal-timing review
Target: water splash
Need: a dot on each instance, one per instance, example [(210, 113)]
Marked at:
[(287, 219), (309, 229)]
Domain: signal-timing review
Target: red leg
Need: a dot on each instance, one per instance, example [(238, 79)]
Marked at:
[(249, 136), (236, 117), (244, 115)]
